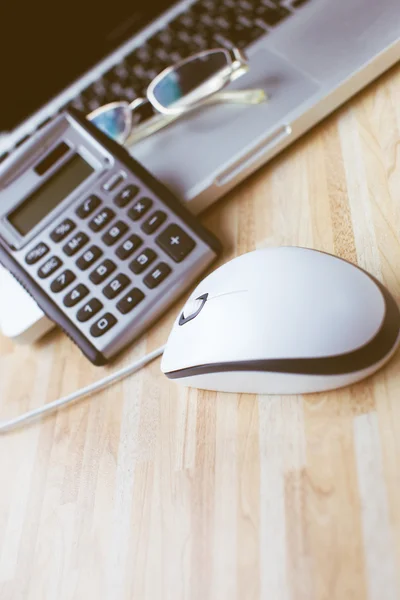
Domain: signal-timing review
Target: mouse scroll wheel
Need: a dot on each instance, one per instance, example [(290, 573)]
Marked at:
[(192, 309)]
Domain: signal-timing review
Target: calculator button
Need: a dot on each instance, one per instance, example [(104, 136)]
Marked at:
[(154, 221), (140, 208), (49, 267), (102, 271), (62, 230), (127, 194), (115, 233), (76, 295), (103, 325), (142, 261), (175, 242), (36, 253), (75, 243), (89, 257), (88, 310), (157, 275), (101, 219), (116, 286), (129, 246), (114, 181), (87, 207), (62, 281), (128, 302)]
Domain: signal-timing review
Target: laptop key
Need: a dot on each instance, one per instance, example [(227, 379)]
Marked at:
[(243, 36), (271, 16)]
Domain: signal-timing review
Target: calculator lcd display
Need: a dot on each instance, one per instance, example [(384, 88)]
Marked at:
[(58, 187)]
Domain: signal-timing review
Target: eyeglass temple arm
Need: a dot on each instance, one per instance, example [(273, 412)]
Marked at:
[(154, 124), (238, 97)]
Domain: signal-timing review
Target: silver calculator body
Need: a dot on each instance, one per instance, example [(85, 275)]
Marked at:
[(101, 245)]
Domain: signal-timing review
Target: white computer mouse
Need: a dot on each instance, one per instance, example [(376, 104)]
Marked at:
[(282, 320)]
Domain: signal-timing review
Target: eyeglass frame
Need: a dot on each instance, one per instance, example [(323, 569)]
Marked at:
[(238, 66)]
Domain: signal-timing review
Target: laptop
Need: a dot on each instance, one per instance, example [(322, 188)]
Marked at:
[(309, 56)]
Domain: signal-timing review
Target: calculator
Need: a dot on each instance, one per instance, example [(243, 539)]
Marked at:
[(102, 246)]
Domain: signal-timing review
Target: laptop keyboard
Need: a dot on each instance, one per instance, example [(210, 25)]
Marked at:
[(206, 24)]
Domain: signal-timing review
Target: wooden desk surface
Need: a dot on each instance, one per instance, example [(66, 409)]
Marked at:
[(149, 491)]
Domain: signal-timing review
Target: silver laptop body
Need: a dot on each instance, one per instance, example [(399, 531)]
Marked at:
[(310, 61)]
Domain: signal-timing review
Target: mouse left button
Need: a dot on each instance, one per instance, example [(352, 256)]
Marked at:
[(192, 309)]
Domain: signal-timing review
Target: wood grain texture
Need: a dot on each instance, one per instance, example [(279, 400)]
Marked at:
[(149, 491)]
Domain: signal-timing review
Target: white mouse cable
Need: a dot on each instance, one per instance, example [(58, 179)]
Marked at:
[(82, 393)]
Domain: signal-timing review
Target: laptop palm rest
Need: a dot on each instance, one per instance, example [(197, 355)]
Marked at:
[(191, 153)]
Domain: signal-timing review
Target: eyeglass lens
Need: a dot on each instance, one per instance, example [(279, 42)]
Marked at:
[(182, 80), (114, 122)]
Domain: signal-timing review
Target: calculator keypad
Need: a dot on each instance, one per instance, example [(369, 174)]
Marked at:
[(109, 260)]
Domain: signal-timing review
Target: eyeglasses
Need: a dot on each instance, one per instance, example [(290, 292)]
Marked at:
[(178, 89)]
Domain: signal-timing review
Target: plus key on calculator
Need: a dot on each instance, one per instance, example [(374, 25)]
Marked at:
[(102, 245)]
